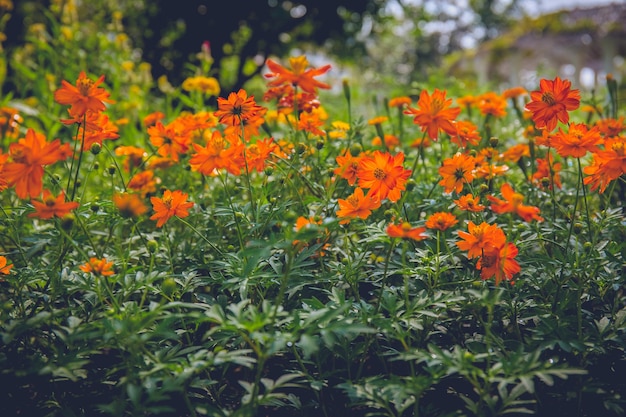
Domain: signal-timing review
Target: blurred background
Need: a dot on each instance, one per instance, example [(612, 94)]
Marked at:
[(391, 44)]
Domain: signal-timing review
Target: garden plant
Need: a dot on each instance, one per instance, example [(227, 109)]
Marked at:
[(290, 250)]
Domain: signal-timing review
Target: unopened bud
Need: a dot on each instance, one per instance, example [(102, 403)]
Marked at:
[(356, 149)]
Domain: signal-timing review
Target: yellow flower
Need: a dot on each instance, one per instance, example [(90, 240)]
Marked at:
[(206, 85), (128, 65)]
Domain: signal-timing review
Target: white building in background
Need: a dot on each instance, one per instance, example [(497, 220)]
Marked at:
[(581, 44)]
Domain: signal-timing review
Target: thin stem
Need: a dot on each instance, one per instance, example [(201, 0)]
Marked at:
[(211, 244), (232, 209), (385, 272), (80, 158), (582, 185)]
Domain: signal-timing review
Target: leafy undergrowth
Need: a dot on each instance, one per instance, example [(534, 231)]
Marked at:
[(198, 253)]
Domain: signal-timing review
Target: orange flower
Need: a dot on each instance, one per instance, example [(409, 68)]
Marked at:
[(383, 174), (379, 120), (467, 101), (98, 267), (607, 165), (514, 92), (299, 75), (86, 95), (465, 133), (441, 221), (236, 107), (480, 238), (516, 152), (152, 118), (434, 113), (457, 171), (247, 129), (491, 103), (135, 156), (219, 153), (5, 268), (545, 139), (97, 127), (611, 127), (402, 102), (552, 102), (512, 203), (544, 170), (357, 205), (304, 222), (29, 155), (577, 141), (423, 142), (258, 152), (489, 171), (310, 122), (51, 206), (171, 204), (348, 167), (3, 181), (405, 231), (468, 202), (129, 205), (171, 140), (143, 182), (499, 263), (391, 141)]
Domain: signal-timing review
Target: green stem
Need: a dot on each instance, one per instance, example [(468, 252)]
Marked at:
[(385, 272), (196, 231), (232, 209), (80, 158), (582, 185)]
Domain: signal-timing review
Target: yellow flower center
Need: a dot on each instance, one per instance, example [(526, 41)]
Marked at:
[(167, 200), (517, 199), (618, 148), (298, 64), (83, 85), (354, 202), (50, 201), (437, 104)]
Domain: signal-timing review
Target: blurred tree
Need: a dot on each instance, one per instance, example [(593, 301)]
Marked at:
[(429, 30), (242, 34)]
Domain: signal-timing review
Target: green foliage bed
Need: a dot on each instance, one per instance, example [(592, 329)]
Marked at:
[(185, 251)]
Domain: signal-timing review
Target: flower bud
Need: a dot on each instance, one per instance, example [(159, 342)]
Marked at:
[(356, 149), (67, 222), (168, 287), (578, 227), (95, 148)]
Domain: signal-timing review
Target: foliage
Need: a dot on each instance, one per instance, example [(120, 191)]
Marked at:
[(185, 250)]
